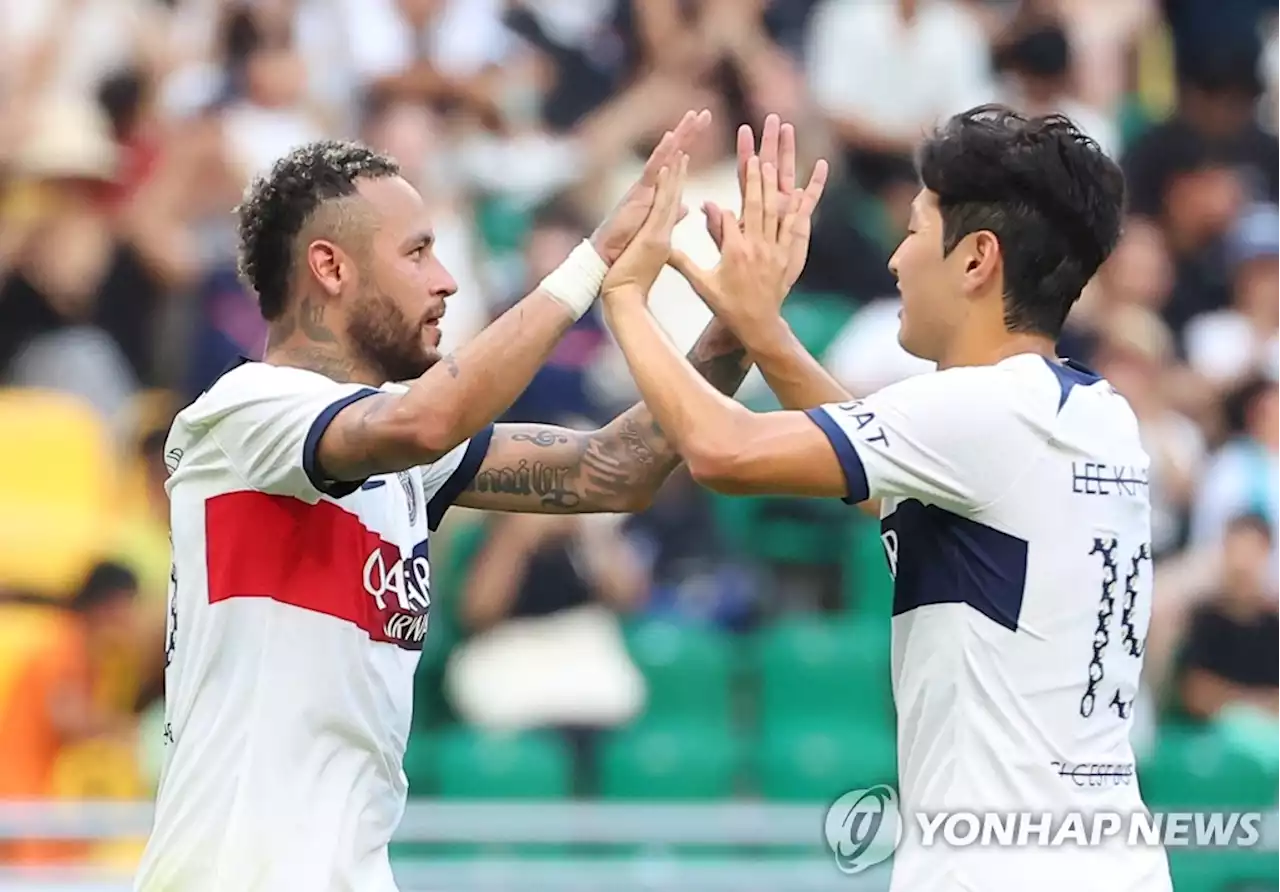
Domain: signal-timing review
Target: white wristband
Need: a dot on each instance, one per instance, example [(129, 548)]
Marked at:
[(576, 282)]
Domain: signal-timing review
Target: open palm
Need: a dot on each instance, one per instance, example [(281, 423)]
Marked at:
[(621, 226)]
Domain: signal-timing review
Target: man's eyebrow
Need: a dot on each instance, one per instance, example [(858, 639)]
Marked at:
[(422, 239)]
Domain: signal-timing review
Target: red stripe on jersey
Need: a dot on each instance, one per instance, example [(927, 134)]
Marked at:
[(317, 557)]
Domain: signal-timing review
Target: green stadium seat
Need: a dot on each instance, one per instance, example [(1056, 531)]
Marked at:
[(475, 764), (826, 669), (811, 761), (783, 530), (669, 761), (688, 670), (1195, 766), (868, 585)]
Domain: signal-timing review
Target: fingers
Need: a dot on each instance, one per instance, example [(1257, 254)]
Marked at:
[(659, 157), (746, 148), (689, 129), (674, 141), (752, 203), (769, 199), (769, 140), (677, 211), (813, 192), (715, 222), (787, 159), (790, 230), (666, 203)]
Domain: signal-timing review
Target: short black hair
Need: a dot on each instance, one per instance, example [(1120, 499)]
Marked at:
[(277, 206), (1047, 191), (1239, 403)]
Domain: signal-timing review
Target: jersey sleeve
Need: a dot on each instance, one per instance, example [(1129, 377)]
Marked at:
[(937, 437), (445, 479), (268, 421)]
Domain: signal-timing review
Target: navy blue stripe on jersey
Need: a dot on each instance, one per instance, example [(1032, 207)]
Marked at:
[(942, 558), (855, 475), (335, 489), (460, 479), (1069, 374)]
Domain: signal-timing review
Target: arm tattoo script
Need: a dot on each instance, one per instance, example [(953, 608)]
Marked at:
[(539, 468)]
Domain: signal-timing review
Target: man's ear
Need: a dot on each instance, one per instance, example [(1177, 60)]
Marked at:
[(328, 265), (983, 262)]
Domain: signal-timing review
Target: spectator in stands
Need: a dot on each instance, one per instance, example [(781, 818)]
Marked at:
[(1040, 67), (1228, 345), (1244, 476), (546, 650), (1232, 650), (270, 113), (1135, 355), (883, 73), (564, 386), (52, 697), (1218, 90), (442, 53), (80, 305), (1203, 196)]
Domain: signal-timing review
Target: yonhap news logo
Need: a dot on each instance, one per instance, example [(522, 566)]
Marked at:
[(863, 828)]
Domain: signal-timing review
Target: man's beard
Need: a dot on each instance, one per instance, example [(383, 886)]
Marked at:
[(387, 341)]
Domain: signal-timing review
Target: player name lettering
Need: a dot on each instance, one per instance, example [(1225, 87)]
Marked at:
[(409, 580), (1100, 479)]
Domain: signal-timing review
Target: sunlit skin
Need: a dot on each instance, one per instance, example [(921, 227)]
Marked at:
[(953, 304), (376, 293)]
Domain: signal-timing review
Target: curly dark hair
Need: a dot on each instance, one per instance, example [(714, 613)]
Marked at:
[(1049, 194), (278, 205)]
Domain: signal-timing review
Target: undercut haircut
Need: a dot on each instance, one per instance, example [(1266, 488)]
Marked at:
[(277, 207), (1052, 198)]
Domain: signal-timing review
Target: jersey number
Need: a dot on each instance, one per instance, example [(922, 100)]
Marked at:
[(1131, 647)]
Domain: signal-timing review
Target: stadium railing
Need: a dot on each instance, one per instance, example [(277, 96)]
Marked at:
[(760, 846)]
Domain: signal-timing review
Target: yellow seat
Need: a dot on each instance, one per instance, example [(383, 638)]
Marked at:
[(57, 478)]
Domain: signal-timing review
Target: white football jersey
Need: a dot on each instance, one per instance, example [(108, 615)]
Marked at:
[(1016, 521), (297, 611)]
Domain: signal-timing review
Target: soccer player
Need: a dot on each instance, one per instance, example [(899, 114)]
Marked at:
[(303, 492), (1011, 485)]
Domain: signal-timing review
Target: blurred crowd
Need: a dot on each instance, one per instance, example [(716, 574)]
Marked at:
[(129, 128)]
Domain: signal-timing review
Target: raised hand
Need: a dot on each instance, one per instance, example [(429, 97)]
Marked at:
[(617, 231), (776, 218), (634, 272), (777, 147)]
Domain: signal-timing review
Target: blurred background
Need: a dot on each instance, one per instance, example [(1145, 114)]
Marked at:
[(667, 701)]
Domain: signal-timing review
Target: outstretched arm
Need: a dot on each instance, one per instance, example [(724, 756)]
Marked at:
[(540, 468), (372, 433), (728, 448)]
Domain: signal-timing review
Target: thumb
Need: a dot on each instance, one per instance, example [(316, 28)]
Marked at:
[(684, 265), (715, 222)]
